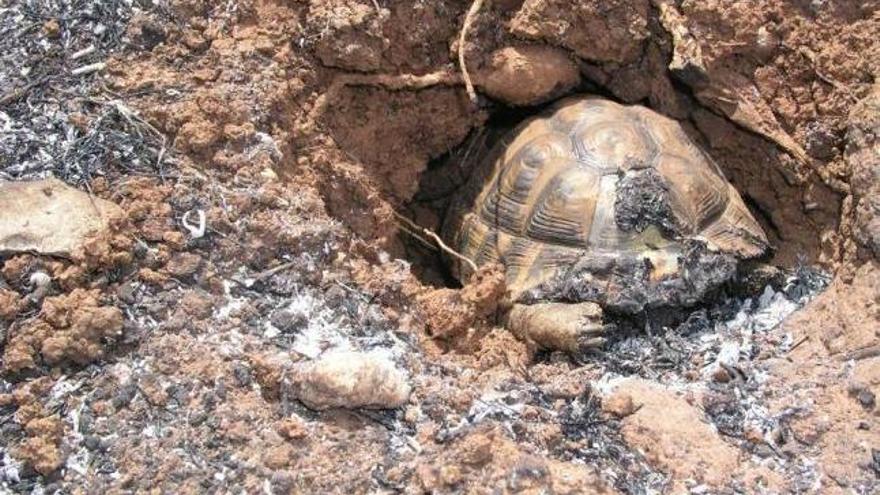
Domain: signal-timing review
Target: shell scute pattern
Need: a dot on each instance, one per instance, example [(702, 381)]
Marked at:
[(552, 196), (698, 196)]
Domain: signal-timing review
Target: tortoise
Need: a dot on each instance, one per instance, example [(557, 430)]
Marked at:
[(594, 205)]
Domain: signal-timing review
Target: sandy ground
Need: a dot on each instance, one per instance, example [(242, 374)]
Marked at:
[(171, 356)]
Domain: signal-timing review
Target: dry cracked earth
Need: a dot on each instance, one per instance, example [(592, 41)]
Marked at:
[(227, 287)]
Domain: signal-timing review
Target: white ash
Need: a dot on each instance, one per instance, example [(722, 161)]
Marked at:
[(233, 303), (10, 470), (765, 313), (734, 339), (353, 324), (494, 404), (78, 462), (39, 279), (730, 338), (323, 330)]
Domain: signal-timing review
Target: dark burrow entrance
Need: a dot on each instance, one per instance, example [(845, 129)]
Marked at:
[(437, 187)]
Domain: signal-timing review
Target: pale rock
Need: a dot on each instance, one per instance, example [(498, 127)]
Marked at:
[(528, 75), (49, 217), (351, 380)]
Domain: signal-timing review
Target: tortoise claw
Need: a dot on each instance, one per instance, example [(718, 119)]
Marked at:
[(593, 337), (559, 326)]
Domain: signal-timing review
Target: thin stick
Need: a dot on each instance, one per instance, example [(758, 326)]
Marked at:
[(799, 342), (462, 37), (416, 236), (449, 250), (88, 69), (82, 53), (391, 82), (272, 271), (131, 116), (438, 240)]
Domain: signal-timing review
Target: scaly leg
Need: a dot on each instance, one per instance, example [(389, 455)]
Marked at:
[(559, 326)]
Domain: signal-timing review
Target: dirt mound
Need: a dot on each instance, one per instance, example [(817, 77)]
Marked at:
[(69, 328)]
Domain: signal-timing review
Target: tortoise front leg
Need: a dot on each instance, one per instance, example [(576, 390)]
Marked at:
[(559, 326)]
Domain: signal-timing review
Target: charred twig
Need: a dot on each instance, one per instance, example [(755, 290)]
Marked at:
[(84, 52), (88, 69), (136, 121), (415, 235), (351, 290), (799, 342), (272, 271)]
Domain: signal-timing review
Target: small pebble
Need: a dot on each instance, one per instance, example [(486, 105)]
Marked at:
[(289, 321), (721, 375), (124, 395), (242, 374), (52, 29), (92, 442), (619, 405), (867, 398), (334, 296), (197, 419), (863, 395)]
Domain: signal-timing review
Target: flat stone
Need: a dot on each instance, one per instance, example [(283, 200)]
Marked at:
[(49, 217)]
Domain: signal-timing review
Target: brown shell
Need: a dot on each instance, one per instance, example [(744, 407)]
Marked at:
[(545, 195)]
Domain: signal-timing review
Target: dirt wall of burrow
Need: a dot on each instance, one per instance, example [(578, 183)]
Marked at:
[(357, 97)]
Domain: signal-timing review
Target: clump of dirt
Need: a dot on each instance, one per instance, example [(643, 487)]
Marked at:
[(669, 431), (450, 313), (41, 449), (367, 37), (40, 445), (70, 328), (351, 380), (612, 32), (10, 304), (544, 73)]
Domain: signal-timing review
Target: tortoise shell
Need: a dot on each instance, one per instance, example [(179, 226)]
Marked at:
[(602, 186)]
